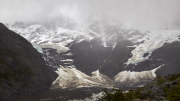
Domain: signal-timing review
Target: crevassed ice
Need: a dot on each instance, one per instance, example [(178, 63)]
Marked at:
[(68, 75), (152, 41), (73, 75), (61, 47), (37, 47)]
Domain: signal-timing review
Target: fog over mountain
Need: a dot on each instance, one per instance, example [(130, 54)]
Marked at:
[(140, 14), (82, 46)]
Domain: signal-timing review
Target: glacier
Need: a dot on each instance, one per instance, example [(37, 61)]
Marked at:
[(152, 41), (71, 77), (136, 76)]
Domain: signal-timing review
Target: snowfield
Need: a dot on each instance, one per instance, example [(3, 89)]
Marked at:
[(152, 41)]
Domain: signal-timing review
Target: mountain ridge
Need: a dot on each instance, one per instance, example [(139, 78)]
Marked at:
[(23, 70), (111, 50)]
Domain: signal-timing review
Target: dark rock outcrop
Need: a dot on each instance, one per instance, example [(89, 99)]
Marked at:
[(115, 62), (22, 69), (168, 55), (89, 56)]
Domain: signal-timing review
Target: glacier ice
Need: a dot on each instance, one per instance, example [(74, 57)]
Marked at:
[(136, 76), (152, 41), (71, 77)]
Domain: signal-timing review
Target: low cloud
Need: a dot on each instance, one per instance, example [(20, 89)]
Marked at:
[(147, 14)]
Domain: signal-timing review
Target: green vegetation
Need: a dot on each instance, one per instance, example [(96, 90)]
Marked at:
[(118, 95), (171, 91), (114, 95), (172, 94), (160, 81), (174, 77)]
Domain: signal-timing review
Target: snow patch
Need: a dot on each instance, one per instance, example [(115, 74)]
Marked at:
[(69, 54), (94, 97), (96, 75), (71, 60)]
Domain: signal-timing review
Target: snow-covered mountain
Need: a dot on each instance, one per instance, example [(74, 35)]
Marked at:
[(151, 42), (137, 61), (103, 53)]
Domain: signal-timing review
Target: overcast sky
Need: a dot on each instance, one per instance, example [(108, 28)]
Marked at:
[(135, 13)]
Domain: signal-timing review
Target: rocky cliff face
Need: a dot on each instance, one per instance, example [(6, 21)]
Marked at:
[(117, 58), (22, 68)]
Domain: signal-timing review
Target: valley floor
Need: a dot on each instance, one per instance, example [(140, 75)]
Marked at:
[(61, 95)]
